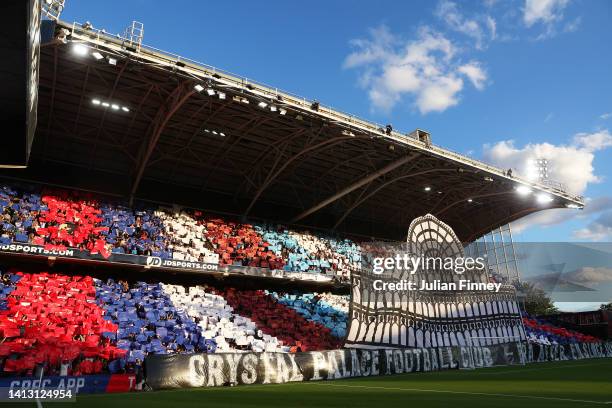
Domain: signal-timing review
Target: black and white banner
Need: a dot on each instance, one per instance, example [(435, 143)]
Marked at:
[(537, 353), (386, 310), (213, 370)]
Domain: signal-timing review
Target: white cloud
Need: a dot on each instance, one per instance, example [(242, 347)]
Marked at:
[(573, 25), (478, 27), (543, 11), (492, 26), (475, 74), (557, 216), (590, 275), (570, 164), (600, 229), (594, 141), (371, 51), (426, 68), (548, 14), (439, 94), (594, 232), (605, 116)]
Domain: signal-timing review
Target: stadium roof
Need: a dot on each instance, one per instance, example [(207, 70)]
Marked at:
[(123, 119)]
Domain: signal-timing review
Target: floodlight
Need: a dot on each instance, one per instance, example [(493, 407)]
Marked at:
[(523, 190), (80, 49), (95, 101), (544, 198), (97, 55), (198, 87)]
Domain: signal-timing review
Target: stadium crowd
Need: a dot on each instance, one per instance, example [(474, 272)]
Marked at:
[(67, 325), (59, 219), (539, 331), (70, 325)]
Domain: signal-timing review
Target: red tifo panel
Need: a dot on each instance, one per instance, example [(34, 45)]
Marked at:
[(51, 318), (278, 320)]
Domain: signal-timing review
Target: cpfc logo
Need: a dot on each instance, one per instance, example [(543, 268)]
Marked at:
[(154, 261)]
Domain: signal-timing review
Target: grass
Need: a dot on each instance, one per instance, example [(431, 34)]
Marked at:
[(586, 383)]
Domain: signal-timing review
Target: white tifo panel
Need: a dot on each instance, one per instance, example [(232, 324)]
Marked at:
[(431, 318), (218, 321)]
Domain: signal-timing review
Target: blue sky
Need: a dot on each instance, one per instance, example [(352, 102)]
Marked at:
[(502, 81)]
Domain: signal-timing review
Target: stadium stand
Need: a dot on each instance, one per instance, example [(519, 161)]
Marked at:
[(78, 324), (539, 331), (61, 219)]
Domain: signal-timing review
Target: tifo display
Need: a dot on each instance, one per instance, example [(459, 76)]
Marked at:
[(540, 331), (74, 325), (59, 219)]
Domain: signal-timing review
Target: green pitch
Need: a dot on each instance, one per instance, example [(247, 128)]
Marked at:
[(586, 383)]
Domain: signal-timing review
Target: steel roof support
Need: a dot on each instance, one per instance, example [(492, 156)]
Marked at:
[(365, 180), (274, 173), (454, 203), (104, 113), (177, 98), (361, 200)]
